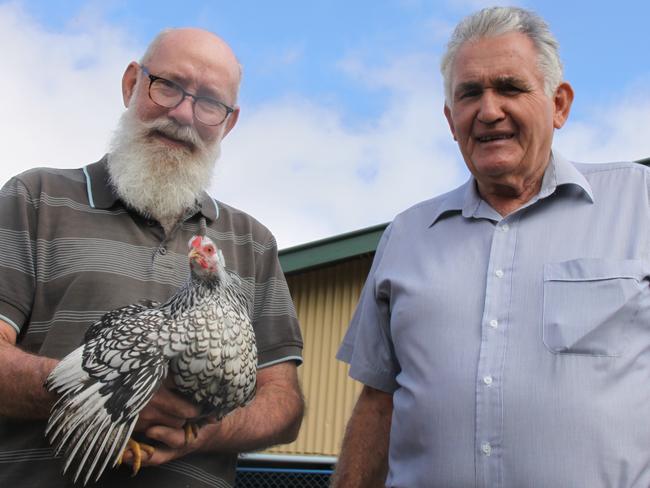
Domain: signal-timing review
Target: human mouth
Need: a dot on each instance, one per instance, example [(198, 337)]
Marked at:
[(494, 137), (171, 140)]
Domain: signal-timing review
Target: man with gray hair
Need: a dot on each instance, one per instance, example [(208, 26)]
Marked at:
[(502, 334), (78, 243)]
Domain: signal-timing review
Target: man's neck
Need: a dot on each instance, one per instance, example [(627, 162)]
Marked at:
[(506, 199)]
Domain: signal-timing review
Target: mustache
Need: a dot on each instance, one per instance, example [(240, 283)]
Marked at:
[(172, 129)]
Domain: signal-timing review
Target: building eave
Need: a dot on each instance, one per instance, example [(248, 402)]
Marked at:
[(331, 250)]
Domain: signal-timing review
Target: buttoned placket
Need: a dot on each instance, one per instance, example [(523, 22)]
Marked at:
[(159, 257), (489, 375)]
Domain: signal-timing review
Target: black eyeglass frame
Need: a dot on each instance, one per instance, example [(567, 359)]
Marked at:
[(195, 98)]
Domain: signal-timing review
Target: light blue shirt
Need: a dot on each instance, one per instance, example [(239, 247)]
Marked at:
[(517, 349)]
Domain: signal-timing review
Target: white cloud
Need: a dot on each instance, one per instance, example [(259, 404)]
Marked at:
[(61, 91), (294, 163), (298, 168), (617, 132)]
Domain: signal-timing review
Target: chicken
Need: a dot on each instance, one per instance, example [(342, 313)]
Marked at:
[(201, 337)]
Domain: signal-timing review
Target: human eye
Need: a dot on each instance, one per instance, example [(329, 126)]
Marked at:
[(207, 105), (210, 104), (166, 87), (468, 91), (511, 87)]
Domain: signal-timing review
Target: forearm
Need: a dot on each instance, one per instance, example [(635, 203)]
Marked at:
[(259, 425), (21, 382), (363, 461), (273, 417)]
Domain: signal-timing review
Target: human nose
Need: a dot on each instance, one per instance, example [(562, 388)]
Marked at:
[(183, 113), (490, 109)]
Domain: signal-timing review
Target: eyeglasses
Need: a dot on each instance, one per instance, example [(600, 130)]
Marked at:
[(168, 94)]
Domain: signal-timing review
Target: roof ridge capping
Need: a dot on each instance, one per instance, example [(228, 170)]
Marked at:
[(331, 249)]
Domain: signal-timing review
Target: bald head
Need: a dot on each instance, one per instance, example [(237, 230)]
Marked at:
[(204, 46)]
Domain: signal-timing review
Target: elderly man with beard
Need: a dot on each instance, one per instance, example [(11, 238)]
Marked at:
[(77, 243)]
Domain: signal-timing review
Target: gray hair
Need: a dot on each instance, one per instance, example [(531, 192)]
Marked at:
[(495, 21)]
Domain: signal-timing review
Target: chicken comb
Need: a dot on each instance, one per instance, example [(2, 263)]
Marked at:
[(195, 242)]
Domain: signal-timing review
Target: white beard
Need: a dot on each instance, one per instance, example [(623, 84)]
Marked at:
[(153, 178)]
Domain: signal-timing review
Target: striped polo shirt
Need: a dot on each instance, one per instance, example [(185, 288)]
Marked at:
[(71, 251)]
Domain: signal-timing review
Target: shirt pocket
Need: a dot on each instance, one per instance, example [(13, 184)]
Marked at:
[(589, 304)]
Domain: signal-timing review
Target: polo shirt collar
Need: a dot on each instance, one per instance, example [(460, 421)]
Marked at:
[(102, 195), (467, 200)]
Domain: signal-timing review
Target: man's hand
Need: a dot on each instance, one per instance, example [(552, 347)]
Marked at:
[(167, 409), (272, 417), (173, 444), (163, 420)]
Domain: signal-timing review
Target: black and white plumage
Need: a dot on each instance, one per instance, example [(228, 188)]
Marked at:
[(202, 337)]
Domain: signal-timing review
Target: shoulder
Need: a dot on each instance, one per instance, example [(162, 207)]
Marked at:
[(413, 223), (624, 168), (247, 244), (51, 177), (241, 223), (421, 215), (621, 180), (45, 186)]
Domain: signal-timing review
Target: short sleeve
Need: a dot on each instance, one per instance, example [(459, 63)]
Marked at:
[(367, 346), (277, 331), (18, 224)]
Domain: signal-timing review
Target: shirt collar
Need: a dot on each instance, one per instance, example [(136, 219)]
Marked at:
[(467, 200), (561, 172), (101, 193), (454, 201)]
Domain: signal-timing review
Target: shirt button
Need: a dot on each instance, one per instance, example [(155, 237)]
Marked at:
[(162, 250), (494, 323), (486, 448), (487, 380), (505, 227), (499, 273)]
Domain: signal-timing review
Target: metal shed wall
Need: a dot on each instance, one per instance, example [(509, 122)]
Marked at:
[(325, 299)]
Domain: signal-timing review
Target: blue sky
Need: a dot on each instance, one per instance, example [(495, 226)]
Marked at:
[(341, 123)]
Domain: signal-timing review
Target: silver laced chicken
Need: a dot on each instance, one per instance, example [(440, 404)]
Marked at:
[(201, 337)]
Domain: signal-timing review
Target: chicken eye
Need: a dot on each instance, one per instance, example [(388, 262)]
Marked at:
[(209, 250)]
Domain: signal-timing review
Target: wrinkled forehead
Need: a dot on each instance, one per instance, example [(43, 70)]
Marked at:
[(198, 59), (487, 60)]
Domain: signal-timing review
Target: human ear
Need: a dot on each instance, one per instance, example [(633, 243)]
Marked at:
[(231, 121), (562, 100), (129, 80), (450, 121)]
